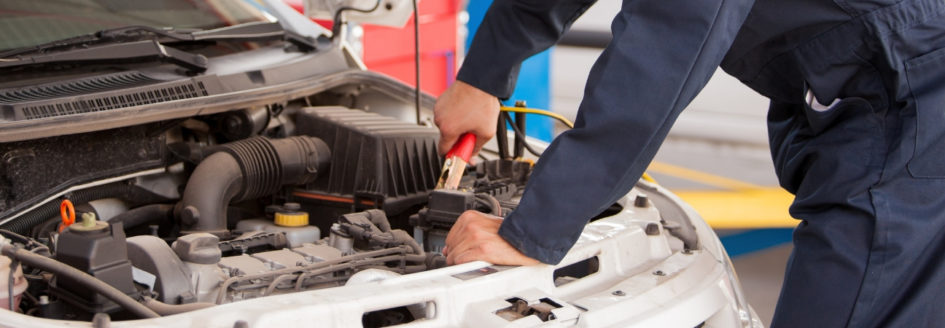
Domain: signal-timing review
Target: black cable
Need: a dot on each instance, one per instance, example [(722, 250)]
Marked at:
[(336, 22), (416, 57), (502, 138), (520, 134), (518, 150), (490, 202)]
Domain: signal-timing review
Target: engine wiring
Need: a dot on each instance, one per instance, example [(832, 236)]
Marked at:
[(270, 280), (521, 134), (490, 202)]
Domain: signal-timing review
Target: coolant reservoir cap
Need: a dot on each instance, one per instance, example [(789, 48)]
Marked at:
[(291, 217)]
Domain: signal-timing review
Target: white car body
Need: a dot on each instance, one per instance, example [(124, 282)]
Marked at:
[(649, 270), (642, 282)]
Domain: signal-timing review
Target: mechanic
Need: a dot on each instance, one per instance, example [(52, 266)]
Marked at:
[(857, 91)]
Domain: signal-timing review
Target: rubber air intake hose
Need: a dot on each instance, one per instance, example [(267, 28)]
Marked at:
[(243, 170)]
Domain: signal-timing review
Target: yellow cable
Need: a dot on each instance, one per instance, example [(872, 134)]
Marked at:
[(556, 116)]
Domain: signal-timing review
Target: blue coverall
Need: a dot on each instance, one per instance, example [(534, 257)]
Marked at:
[(856, 127)]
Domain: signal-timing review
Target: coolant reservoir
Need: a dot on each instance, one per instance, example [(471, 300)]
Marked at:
[(288, 220), (19, 283), (295, 236)]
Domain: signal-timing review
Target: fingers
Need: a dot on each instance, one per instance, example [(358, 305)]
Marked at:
[(458, 231), (450, 130), (492, 249), (446, 142), (472, 248), (463, 108), (457, 240), (468, 252), (481, 138), (475, 237)]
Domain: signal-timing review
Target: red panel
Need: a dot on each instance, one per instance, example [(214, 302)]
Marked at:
[(390, 50), (436, 71)]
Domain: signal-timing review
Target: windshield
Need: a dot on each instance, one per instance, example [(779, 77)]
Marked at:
[(31, 22)]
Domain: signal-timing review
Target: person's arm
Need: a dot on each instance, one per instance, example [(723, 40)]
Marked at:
[(662, 54)]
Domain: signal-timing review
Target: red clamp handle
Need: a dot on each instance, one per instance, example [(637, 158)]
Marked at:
[(464, 147)]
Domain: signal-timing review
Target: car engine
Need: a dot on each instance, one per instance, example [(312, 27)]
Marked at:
[(190, 213)]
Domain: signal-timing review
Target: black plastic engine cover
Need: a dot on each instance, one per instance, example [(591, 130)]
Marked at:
[(373, 155)]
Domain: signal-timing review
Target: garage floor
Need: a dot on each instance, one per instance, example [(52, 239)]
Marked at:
[(716, 158)]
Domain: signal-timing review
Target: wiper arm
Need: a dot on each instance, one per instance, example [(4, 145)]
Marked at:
[(260, 31), (256, 31), (137, 51)]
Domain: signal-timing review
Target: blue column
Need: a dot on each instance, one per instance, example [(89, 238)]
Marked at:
[(533, 79)]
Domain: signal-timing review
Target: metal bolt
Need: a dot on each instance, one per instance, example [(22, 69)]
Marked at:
[(232, 123), (520, 103), (652, 229), (619, 293), (659, 273), (641, 201), (189, 215)]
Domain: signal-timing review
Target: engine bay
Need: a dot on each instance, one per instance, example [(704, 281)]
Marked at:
[(191, 213)]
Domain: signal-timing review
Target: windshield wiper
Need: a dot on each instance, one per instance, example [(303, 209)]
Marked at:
[(145, 42), (137, 51)]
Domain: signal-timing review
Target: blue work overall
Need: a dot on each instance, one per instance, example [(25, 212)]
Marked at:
[(856, 126)]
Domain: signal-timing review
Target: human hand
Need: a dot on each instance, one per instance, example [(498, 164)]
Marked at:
[(464, 108), (475, 237)]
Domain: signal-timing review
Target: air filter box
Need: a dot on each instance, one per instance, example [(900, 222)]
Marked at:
[(376, 160)]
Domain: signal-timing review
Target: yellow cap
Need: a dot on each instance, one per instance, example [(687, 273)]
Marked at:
[(292, 219)]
